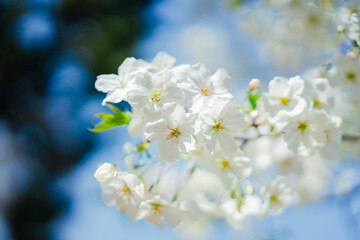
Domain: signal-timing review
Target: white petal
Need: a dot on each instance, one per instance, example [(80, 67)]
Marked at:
[(279, 86), (157, 131), (163, 60), (227, 141), (107, 82), (168, 151), (115, 96)]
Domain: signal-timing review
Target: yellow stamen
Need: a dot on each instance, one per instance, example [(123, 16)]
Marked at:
[(351, 76), (317, 103), (205, 92), (125, 190), (174, 132), (303, 126), (274, 198), (218, 126), (155, 207), (224, 164), (157, 93), (285, 101)]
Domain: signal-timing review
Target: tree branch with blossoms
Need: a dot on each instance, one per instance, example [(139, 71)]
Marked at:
[(220, 158)]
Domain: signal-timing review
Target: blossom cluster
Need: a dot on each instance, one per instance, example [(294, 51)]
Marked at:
[(186, 111), (202, 155), (307, 29)]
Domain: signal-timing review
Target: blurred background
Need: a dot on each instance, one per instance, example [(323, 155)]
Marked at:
[(50, 54)]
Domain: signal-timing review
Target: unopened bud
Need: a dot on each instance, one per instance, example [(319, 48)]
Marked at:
[(254, 84), (352, 55), (105, 172), (341, 29), (254, 114)]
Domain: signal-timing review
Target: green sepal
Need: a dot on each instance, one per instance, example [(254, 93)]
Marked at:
[(111, 120), (253, 97)]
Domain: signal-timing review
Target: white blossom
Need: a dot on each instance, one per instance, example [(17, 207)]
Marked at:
[(202, 89), (151, 92), (304, 132), (284, 97), (174, 132), (116, 85), (331, 127), (228, 166), (123, 191), (345, 74), (157, 210), (317, 91), (276, 194), (105, 172), (219, 122), (237, 210), (353, 27)]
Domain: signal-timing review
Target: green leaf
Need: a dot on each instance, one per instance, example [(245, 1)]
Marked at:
[(254, 96), (235, 3), (111, 120)]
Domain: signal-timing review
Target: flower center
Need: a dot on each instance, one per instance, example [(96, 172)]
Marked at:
[(313, 20), (317, 103), (302, 126), (125, 190), (174, 132), (224, 164), (218, 125), (155, 208), (156, 94), (284, 101), (205, 92), (351, 76), (274, 198)]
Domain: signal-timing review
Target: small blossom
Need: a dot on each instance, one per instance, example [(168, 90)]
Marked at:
[(174, 132), (304, 132), (151, 92), (157, 210), (228, 166), (218, 124), (116, 85), (123, 191), (202, 88), (353, 27), (283, 97), (254, 84), (105, 172), (345, 74), (318, 92), (237, 210), (276, 194)]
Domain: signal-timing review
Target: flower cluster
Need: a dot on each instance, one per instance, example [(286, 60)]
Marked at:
[(184, 110), (307, 29), (202, 155)]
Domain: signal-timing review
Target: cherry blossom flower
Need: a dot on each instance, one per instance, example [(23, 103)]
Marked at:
[(237, 210), (218, 124), (276, 194), (202, 89), (174, 132), (105, 172), (151, 92), (304, 132), (157, 210), (228, 166), (116, 85), (284, 97), (346, 75), (123, 191)]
